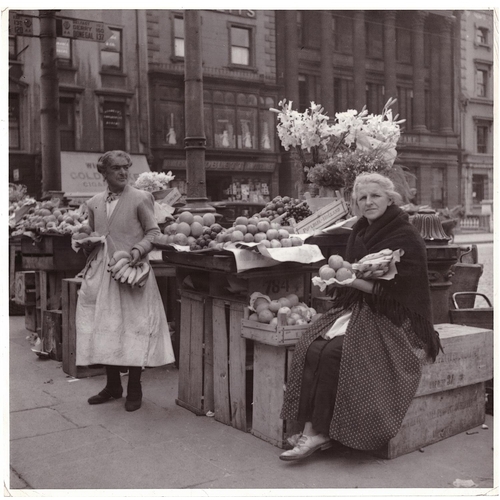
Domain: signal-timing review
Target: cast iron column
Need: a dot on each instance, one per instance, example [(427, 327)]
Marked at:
[(195, 141), (49, 104), (445, 83), (359, 55), (390, 84), (418, 72)]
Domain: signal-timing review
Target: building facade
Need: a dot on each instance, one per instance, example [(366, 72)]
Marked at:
[(475, 108), (103, 99)]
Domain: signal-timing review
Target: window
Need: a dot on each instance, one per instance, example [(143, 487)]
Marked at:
[(67, 123), (374, 97), (12, 48), (111, 53), (178, 36), (481, 36), (403, 45), (343, 94), (478, 187), (114, 125), (241, 39), (481, 82), (405, 98), (300, 28), (14, 122), (482, 137), (343, 34), (311, 29), (438, 187), (63, 51), (375, 38)]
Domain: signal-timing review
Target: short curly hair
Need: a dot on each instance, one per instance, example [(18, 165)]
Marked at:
[(372, 177), (106, 160)]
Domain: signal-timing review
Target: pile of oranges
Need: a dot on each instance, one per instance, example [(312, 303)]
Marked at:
[(337, 268)]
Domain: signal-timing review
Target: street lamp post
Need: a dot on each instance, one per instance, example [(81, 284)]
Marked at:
[(195, 140), (49, 104)]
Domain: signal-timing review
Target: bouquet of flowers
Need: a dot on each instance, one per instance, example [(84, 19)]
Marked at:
[(153, 181), (354, 142)]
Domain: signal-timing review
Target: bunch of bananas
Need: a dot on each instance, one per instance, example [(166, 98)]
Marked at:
[(121, 270), (373, 265)]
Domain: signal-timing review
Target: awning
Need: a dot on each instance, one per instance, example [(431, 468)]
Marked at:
[(79, 175)]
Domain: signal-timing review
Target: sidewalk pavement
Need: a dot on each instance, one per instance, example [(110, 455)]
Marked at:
[(58, 441)]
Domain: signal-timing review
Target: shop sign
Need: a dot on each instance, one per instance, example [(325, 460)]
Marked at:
[(240, 13), (79, 175), (231, 166), (20, 25)]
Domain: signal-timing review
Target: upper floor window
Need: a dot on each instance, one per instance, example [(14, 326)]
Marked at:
[(403, 45), (375, 38), (482, 89), (342, 34), (12, 48), (114, 125), (14, 121), (241, 45), (63, 50), (438, 189), (479, 186), (111, 52), (310, 29), (482, 36), (482, 136), (300, 27), (67, 123), (178, 36)]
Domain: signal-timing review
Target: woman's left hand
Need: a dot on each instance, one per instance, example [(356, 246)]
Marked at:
[(136, 257)]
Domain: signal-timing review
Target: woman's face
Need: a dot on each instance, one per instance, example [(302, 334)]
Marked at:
[(372, 201), (117, 174)]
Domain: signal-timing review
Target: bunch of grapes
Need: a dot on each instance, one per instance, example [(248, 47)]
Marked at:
[(297, 213)]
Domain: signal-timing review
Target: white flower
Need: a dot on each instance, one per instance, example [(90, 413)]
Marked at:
[(153, 181)]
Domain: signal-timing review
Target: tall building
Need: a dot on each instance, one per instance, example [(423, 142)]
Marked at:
[(475, 50), (103, 98)]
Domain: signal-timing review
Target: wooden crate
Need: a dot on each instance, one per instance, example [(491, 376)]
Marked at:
[(281, 334), (324, 217), (25, 288), (51, 253), (196, 388), (52, 334), (30, 318), (230, 368), (70, 289)]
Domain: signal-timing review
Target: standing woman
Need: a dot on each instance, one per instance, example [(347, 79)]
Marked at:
[(119, 326), (356, 369)]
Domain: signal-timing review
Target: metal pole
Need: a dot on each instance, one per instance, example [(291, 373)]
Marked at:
[(195, 140), (49, 104)]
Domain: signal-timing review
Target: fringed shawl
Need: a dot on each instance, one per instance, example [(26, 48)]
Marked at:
[(407, 296)]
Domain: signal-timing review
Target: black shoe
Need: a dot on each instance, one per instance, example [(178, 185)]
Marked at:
[(103, 396), (133, 404)]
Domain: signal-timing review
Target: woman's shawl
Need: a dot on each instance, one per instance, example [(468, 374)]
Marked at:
[(407, 296)]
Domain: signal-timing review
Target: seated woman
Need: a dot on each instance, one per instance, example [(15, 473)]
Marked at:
[(356, 369)]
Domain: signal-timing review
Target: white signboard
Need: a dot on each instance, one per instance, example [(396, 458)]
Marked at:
[(80, 178)]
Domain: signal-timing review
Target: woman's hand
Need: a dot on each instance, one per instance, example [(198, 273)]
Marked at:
[(88, 246), (363, 285), (136, 257)]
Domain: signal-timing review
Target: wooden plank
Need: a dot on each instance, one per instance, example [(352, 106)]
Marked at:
[(208, 359), (52, 334), (30, 318), (268, 382), (195, 355), (237, 371), (71, 337), (221, 368), (435, 417), (185, 344), (467, 359), (65, 324), (23, 287)]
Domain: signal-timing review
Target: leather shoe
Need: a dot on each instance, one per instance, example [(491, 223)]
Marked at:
[(306, 446), (132, 405), (103, 396)]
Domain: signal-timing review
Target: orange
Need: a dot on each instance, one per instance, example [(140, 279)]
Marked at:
[(274, 306), (198, 218), (236, 236), (248, 238), (259, 301), (241, 227), (263, 226), (343, 274), (262, 306), (293, 298), (181, 239), (196, 229), (284, 302), (326, 272), (296, 242), (208, 219), (184, 228), (275, 244), (241, 220), (272, 234), (346, 264), (187, 217), (335, 261), (253, 317), (259, 237), (265, 316)]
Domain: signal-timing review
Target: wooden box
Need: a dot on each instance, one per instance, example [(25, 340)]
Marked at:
[(231, 400), (52, 334), (70, 289), (196, 388), (280, 335), (51, 253), (324, 217), (24, 288)]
